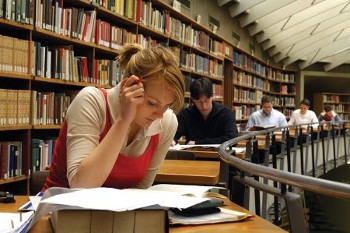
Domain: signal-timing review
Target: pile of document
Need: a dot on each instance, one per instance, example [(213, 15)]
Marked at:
[(128, 208)]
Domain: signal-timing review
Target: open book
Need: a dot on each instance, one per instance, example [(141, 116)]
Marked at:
[(189, 190), (263, 127), (222, 215), (225, 215), (204, 147)]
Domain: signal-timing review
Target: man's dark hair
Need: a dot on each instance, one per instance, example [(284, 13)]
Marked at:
[(305, 102), (200, 87), (266, 99), (327, 108)]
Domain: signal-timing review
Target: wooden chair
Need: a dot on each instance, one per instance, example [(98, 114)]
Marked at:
[(37, 181)]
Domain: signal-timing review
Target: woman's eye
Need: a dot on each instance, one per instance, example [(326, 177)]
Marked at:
[(152, 103)]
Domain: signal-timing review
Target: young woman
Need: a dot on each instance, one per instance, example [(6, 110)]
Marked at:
[(120, 136)]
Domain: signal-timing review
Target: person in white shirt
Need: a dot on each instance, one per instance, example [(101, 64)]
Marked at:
[(266, 116), (303, 115)]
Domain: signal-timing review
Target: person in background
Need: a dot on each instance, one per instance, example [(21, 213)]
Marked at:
[(303, 115), (266, 116), (328, 115), (119, 137), (206, 121)]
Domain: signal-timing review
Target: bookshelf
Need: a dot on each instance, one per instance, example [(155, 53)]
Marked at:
[(340, 103), (61, 46), (249, 78)]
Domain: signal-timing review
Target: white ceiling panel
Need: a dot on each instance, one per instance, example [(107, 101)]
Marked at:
[(338, 59), (302, 31), (278, 15), (262, 9), (327, 51), (307, 38), (300, 54), (296, 28)]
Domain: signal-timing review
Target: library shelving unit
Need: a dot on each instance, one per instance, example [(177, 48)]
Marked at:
[(248, 79), (49, 50), (340, 103)]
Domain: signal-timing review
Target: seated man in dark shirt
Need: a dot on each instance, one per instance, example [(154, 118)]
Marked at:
[(206, 121)]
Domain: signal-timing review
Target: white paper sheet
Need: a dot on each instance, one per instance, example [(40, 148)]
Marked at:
[(12, 223), (191, 190), (122, 200)]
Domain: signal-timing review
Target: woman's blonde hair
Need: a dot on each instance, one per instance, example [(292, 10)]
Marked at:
[(154, 62)]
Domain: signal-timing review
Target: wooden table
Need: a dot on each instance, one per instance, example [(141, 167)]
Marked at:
[(189, 172), (251, 225)]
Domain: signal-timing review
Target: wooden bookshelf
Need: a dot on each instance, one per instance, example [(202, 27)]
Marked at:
[(42, 38), (247, 79), (340, 103)]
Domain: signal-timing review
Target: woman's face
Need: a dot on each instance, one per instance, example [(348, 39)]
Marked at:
[(158, 97)]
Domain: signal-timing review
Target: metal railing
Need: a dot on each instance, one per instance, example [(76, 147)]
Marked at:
[(303, 151)]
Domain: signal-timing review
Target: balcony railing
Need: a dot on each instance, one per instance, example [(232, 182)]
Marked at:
[(287, 161)]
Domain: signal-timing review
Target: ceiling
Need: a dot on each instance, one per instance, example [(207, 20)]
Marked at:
[(302, 32)]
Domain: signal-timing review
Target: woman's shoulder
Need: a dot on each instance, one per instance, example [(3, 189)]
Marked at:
[(88, 96), (91, 92)]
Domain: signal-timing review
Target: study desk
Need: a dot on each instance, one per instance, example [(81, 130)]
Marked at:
[(250, 225), (189, 172)]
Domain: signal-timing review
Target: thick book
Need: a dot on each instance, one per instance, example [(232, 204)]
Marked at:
[(263, 127), (135, 221)]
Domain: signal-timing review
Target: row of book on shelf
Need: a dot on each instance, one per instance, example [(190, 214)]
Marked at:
[(252, 81), (10, 159), (41, 153), (18, 11), (250, 64), (336, 98), (84, 24), (254, 97), (50, 108), (55, 62), (60, 62), (201, 64), (14, 107), (11, 156), (25, 107)]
